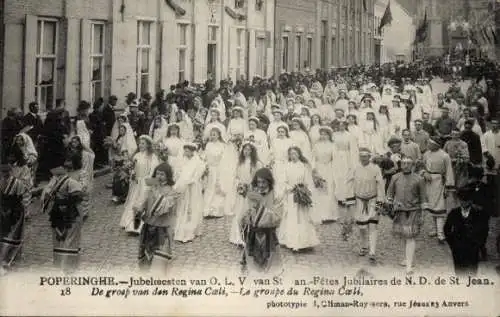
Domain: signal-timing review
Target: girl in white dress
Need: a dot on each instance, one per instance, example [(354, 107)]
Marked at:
[(371, 135), (259, 139), (279, 155), (214, 198), (248, 164), (144, 163), (314, 130), (353, 128), (384, 124), (236, 131), (342, 101), (158, 129), (189, 209), (326, 206), (305, 116), (297, 231), (175, 150), (300, 138), (215, 121), (346, 155), (272, 130)]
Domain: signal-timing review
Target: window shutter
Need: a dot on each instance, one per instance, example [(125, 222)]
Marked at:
[(152, 59), (85, 71), (30, 38)]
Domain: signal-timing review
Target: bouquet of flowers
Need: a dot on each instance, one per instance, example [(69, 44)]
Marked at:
[(319, 182), (302, 195), (242, 189)]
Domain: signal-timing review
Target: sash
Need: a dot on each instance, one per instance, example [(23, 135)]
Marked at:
[(48, 203), (11, 184), (156, 206)]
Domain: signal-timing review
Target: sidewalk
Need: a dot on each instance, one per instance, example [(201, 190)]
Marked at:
[(99, 172)]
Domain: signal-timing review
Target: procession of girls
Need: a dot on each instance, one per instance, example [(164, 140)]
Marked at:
[(309, 138), (312, 140)]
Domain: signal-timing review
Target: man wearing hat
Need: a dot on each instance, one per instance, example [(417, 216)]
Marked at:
[(444, 125), (407, 199), (465, 231), (129, 99), (61, 199), (369, 192), (108, 114), (136, 119), (439, 179)]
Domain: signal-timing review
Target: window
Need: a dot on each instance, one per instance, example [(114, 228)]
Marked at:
[(182, 28), (46, 61), (333, 51), (261, 56), (239, 52), (96, 61), (284, 56), (144, 56), (309, 52), (212, 53), (258, 5), (324, 32), (342, 52), (298, 52)]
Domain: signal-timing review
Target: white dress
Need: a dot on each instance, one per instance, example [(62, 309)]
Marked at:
[(144, 167), (279, 154), (259, 138), (314, 134), (244, 175), (189, 210), (214, 199), (301, 140), (297, 230), (175, 147), (346, 156), (326, 207)]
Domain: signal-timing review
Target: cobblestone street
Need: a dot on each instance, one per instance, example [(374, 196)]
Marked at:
[(107, 247)]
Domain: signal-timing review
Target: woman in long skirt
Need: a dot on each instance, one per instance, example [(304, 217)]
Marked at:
[(13, 190), (248, 164), (189, 211), (144, 163), (214, 199), (300, 138), (61, 199), (174, 145), (326, 207), (279, 156), (297, 230), (346, 154)]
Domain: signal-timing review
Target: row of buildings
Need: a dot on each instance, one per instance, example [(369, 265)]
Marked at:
[(83, 50)]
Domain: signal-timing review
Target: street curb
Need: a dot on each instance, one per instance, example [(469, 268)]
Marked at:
[(100, 172)]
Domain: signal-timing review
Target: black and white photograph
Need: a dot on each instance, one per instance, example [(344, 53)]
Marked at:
[(250, 157)]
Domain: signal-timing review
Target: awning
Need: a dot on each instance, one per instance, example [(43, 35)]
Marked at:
[(174, 6), (235, 15)]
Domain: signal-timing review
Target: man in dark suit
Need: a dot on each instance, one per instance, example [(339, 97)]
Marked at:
[(465, 231), (33, 119), (473, 142), (108, 114)]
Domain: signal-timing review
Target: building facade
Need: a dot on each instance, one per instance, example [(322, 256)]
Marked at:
[(83, 50), (395, 42), (312, 34)]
